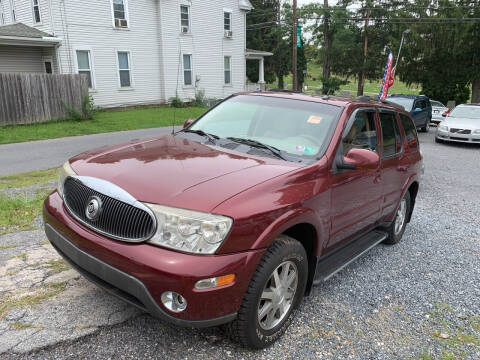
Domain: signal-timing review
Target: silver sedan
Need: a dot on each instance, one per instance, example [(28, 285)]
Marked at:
[(461, 125), (438, 109)]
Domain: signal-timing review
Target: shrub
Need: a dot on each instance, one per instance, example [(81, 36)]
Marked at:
[(176, 102), (200, 99), (86, 112)]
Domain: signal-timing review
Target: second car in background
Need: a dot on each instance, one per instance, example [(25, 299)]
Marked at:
[(461, 125), (438, 109), (418, 106)]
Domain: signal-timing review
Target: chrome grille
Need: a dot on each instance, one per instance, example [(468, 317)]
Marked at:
[(460, 131), (117, 219)]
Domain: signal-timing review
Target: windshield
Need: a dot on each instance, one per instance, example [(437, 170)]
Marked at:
[(405, 102), (294, 127), (469, 112)]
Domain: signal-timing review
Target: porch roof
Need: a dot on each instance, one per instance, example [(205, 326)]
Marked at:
[(256, 54), (21, 34)]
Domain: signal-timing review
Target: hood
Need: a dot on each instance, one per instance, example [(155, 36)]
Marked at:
[(462, 123), (177, 172)]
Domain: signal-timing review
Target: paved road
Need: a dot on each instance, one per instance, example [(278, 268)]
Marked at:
[(417, 299), (46, 154)]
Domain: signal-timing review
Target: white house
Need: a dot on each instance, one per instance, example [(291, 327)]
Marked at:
[(133, 51)]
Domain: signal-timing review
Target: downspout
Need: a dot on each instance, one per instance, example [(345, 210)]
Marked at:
[(67, 37)]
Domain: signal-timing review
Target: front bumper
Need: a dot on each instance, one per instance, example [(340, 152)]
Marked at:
[(464, 138), (140, 273)]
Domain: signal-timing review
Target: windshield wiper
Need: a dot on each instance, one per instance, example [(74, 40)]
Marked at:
[(210, 137), (258, 144)]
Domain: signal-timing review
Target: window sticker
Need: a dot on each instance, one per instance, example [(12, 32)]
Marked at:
[(305, 149), (314, 119)]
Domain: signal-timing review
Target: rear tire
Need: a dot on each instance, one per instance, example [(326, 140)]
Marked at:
[(397, 228), (426, 127), (273, 296)]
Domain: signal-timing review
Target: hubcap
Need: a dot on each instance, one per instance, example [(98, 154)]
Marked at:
[(401, 216), (277, 296)]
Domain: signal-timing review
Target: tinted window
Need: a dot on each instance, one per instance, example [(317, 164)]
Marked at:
[(410, 131), (392, 142), (422, 104), (362, 134)]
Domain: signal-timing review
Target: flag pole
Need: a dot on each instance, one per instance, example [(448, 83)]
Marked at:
[(406, 31)]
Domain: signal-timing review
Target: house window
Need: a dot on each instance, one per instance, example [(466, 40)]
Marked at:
[(36, 11), (187, 70), (185, 18), (124, 69), (227, 21), (120, 13), (227, 63), (84, 65)]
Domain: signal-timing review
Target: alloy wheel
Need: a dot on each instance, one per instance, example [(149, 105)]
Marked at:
[(277, 296), (400, 216)]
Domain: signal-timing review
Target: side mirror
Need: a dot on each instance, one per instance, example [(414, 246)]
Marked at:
[(188, 122), (360, 159)]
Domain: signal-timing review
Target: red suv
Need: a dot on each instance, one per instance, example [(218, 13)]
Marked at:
[(235, 217)]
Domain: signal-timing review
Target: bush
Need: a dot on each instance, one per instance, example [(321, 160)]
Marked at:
[(332, 84), (176, 102), (85, 113), (200, 99)]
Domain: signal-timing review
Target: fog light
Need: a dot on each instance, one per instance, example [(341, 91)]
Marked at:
[(214, 282), (173, 301)]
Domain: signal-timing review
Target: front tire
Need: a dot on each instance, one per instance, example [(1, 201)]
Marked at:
[(438, 141), (397, 228), (273, 296)]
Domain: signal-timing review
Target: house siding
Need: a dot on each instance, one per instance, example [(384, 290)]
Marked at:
[(20, 59), (155, 43), (208, 46)]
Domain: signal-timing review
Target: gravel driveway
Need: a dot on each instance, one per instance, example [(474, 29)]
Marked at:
[(418, 299)]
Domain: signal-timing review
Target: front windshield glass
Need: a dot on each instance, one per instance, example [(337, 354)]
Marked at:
[(469, 112), (297, 128), (405, 102)]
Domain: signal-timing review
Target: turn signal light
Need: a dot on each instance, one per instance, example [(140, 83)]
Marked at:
[(215, 282)]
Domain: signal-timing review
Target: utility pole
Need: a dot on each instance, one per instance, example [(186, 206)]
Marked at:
[(361, 77), (326, 45), (294, 46)]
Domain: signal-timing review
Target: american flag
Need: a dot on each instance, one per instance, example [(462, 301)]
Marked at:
[(388, 77)]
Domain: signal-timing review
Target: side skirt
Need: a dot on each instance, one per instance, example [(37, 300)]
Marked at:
[(330, 264)]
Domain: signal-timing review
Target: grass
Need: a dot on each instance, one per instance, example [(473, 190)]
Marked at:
[(20, 325), (57, 266), (314, 72), (8, 246), (18, 213), (27, 179), (7, 303), (104, 122)]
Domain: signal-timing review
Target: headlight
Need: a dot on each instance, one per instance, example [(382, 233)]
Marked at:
[(476, 131), (443, 127), (189, 231), (65, 171)]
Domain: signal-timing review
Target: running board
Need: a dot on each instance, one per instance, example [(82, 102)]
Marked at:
[(333, 263)]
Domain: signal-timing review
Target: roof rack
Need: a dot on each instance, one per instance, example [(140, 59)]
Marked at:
[(386, 102), (286, 91)]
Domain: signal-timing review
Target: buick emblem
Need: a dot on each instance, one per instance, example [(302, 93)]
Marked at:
[(94, 208)]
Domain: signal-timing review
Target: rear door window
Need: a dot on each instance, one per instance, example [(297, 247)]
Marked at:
[(392, 140), (410, 131)]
